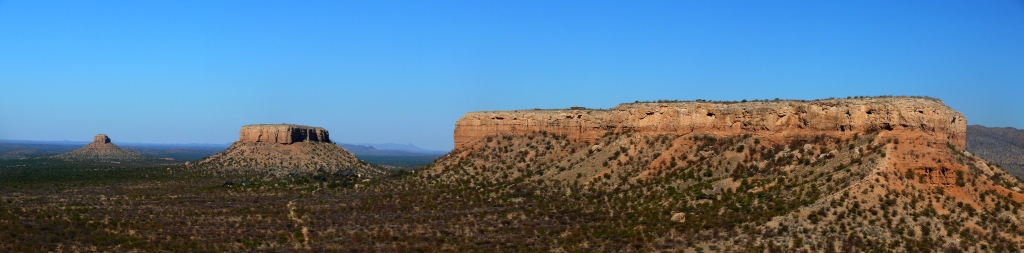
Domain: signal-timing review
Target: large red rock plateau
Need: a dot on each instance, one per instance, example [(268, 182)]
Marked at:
[(283, 149), (773, 119), (890, 170), (101, 149)]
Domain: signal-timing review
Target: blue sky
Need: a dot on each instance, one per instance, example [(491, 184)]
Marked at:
[(405, 71)]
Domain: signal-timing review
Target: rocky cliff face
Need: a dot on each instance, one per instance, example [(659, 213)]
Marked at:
[(285, 149), (772, 119), (820, 171), (283, 133), (101, 138)]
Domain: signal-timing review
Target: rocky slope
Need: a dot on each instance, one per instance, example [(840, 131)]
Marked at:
[(102, 150), (285, 149), (1001, 145), (886, 173)]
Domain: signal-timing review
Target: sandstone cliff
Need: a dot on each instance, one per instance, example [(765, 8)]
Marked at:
[(283, 133), (887, 170), (101, 149), (773, 119), (285, 149)]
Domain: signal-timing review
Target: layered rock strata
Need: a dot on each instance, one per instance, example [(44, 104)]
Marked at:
[(286, 149), (101, 149), (857, 163), (772, 119), (283, 133)]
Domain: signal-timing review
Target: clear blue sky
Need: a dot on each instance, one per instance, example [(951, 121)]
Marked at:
[(404, 72)]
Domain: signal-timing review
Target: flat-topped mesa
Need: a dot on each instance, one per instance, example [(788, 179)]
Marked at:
[(283, 133), (776, 119), (285, 149), (101, 138)]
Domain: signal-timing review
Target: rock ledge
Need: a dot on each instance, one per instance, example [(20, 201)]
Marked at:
[(772, 119)]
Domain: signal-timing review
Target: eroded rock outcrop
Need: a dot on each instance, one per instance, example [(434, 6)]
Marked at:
[(770, 119), (101, 138), (101, 149), (283, 133), (284, 149)]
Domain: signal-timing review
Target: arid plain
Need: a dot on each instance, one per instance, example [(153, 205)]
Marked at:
[(831, 175)]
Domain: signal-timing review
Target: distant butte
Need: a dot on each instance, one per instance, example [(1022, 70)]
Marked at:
[(101, 149), (101, 138), (282, 149), (283, 133)]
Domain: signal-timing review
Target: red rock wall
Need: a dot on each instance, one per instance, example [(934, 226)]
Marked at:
[(775, 119), (283, 133)]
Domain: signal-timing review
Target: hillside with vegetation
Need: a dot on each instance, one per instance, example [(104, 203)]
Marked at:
[(891, 176), (1003, 146)]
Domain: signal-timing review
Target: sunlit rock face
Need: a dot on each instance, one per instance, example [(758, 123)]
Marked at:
[(283, 133), (767, 119), (101, 138)]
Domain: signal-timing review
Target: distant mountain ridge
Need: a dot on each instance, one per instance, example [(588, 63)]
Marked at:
[(135, 144), (1001, 145), (21, 149), (101, 149), (389, 149), (9, 151)]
